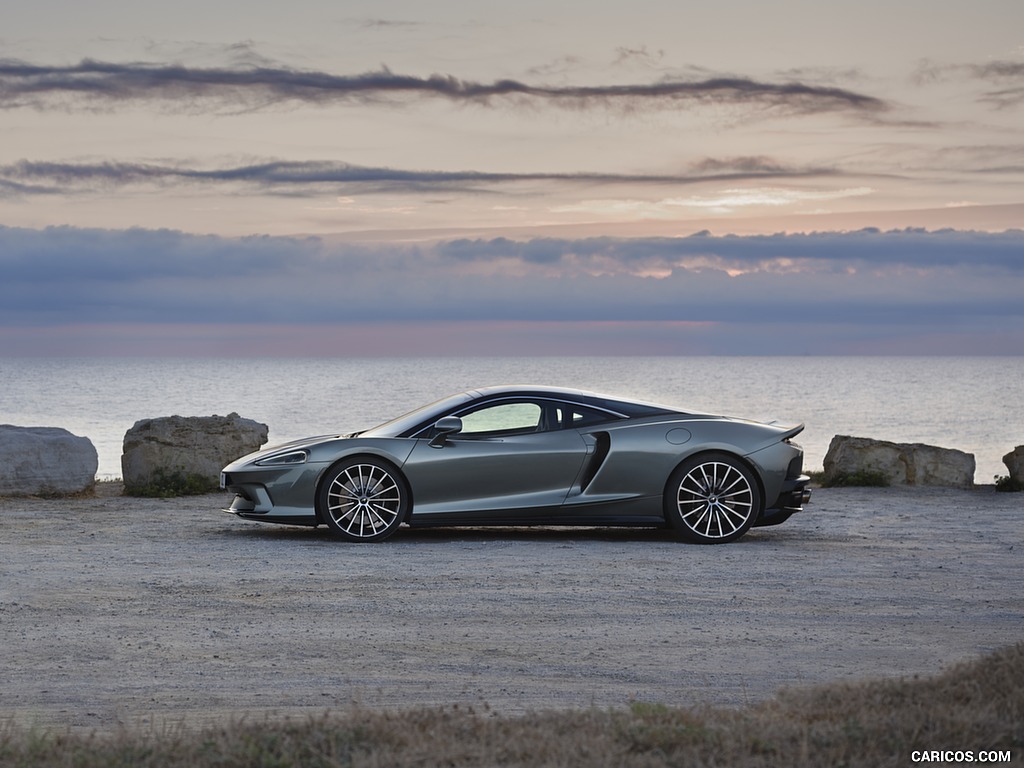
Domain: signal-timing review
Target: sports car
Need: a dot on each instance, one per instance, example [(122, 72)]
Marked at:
[(531, 455)]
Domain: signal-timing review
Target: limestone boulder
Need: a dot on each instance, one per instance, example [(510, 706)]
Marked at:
[(45, 461), (1014, 462), (185, 454), (899, 463)]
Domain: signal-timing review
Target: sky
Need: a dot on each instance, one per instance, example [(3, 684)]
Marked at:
[(313, 178)]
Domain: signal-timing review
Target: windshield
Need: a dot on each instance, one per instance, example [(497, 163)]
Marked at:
[(404, 423)]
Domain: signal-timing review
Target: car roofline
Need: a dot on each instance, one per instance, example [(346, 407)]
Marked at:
[(582, 396)]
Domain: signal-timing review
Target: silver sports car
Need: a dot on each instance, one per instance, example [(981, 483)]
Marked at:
[(531, 456)]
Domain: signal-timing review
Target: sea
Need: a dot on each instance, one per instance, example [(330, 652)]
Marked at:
[(973, 404)]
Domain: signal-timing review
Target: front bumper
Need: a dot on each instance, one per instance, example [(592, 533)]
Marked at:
[(279, 495)]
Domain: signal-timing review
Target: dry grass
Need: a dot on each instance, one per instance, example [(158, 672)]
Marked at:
[(974, 706)]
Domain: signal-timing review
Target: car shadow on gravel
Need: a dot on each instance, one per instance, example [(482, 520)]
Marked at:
[(539, 534)]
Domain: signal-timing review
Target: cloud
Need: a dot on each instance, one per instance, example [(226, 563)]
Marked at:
[(640, 55), (823, 73), (1008, 75), (376, 23), (313, 177), (10, 188), (999, 70), (723, 201), (910, 279), (558, 67), (256, 87), (867, 251), (991, 158)]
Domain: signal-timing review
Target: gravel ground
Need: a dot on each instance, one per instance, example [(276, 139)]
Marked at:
[(117, 611)]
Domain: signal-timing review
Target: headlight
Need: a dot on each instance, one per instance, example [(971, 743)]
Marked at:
[(283, 459)]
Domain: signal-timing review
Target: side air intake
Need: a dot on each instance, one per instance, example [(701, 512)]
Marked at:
[(597, 459)]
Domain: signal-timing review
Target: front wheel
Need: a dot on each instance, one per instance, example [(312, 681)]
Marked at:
[(712, 499), (363, 499)]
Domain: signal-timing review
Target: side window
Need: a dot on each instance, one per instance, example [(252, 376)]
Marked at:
[(581, 416), (505, 417)]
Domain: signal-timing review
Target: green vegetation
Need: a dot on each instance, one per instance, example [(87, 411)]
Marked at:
[(165, 485), (1008, 484), (974, 706), (50, 493)]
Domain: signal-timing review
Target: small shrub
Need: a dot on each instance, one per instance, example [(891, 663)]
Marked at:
[(165, 484), (50, 493), (867, 478), (1008, 484)]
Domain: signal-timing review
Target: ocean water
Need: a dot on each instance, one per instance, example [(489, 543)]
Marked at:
[(971, 403)]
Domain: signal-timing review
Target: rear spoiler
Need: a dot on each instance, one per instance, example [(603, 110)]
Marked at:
[(792, 432)]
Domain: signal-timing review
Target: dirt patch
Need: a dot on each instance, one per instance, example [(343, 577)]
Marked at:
[(116, 610)]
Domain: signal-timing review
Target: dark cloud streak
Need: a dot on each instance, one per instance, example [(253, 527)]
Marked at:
[(29, 177), (23, 84)]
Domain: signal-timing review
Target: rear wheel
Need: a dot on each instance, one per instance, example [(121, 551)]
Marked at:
[(363, 499), (712, 499)]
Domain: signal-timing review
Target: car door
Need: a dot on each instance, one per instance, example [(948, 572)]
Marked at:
[(511, 456)]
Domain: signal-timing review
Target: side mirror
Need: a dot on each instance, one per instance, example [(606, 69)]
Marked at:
[(449, 425)]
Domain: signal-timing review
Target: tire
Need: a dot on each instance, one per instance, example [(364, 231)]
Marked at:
[(712, 498), (363, 499)]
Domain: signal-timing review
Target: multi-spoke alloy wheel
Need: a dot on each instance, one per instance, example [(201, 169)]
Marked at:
[(712, 499), (363, 499)]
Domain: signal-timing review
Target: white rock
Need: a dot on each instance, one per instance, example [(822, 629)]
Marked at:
[(900, 463), (45, 461), (1014, 462), (190, 446)]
